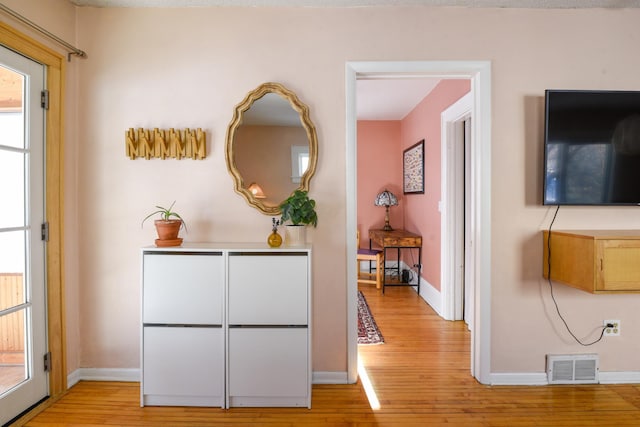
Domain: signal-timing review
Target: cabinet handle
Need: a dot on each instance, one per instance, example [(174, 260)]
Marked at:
[(601, 265)]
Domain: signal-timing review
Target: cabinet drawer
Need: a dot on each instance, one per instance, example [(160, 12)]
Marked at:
[(270, 364), (183, 366), (183, 289), (268, 289)]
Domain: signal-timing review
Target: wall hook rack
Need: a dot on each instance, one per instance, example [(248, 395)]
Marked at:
[(164, 143)]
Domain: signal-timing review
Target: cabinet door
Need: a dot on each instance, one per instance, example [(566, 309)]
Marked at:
[(183, 288), (619, 268), (183, 366), (268, 289), (268, 367)]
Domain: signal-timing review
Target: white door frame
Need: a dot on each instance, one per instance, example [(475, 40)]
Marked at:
[(452, 276), (479, 72)]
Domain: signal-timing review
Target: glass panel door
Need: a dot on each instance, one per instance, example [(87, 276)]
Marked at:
[(23, 380)]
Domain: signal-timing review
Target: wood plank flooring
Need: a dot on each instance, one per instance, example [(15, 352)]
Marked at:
[(421, 377)]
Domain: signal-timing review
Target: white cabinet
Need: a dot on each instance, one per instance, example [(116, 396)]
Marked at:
[(183, 288), (226, 325), (183, 366), (277, 278), (268, 343), (183, 329), (268, 367)]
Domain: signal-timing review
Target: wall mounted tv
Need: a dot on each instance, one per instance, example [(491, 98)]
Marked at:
[(592, 148)]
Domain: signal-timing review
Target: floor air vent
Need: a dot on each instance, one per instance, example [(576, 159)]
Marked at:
[(572, 369)]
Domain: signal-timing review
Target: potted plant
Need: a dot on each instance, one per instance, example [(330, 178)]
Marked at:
[(167, 227), (299, 209)]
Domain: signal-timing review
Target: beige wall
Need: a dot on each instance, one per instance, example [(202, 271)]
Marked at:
[(190, 67), (59, 18)]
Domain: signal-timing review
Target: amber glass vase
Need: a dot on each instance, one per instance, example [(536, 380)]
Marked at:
[(274, 239)]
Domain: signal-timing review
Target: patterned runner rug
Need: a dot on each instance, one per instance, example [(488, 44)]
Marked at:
[(368, 332)]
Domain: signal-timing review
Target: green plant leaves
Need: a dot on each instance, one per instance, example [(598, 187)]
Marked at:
[(165, 214), (299, 209)]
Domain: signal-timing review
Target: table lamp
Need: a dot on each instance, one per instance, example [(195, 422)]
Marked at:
[(386, 199), (256, 190)]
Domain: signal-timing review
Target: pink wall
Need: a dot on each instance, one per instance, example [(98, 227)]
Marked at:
[(380, 147), (421, 214), (378, 168)]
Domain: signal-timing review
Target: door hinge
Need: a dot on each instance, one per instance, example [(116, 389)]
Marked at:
[(44, 231), (47, 361), (44, 99)]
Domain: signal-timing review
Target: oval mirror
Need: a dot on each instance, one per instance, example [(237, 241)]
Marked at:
[(272, 148)]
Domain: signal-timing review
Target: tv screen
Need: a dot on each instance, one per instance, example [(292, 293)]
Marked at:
[(592, 148)]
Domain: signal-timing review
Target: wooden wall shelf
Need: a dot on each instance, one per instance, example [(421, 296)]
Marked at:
[(595, 261)]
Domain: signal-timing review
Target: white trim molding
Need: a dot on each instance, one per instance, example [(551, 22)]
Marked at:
[(103, 374), (337, 377), (133, 375), (629, 377), (519, 378), (479, 72), (540, 378), (431, 295), (341, 377), (452, 219)]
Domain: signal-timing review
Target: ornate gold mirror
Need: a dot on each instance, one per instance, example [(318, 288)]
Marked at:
[(272, 147)]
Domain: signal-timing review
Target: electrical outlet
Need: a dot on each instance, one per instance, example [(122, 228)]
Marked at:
[(612, 332)]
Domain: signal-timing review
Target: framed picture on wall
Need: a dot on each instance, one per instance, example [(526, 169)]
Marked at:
[(413, 169)]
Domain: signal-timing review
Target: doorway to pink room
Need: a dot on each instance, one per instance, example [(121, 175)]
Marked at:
[(448, 198)]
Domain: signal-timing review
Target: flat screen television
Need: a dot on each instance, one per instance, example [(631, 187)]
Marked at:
[(592, 148)]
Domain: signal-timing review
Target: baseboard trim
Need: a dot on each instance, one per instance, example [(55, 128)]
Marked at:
[(103, 374), (133, 375), (519, 378), (431, 295), (629, 377), (330, 377), (533, 379)]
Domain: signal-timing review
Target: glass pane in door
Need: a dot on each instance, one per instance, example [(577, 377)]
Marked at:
[(12, 180), (13, 369), (11, 108), (13, 299)]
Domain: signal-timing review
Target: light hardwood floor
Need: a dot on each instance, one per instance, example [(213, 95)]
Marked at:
[(421, 377)]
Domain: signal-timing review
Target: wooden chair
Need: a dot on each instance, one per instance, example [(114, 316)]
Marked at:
[(370, 255)]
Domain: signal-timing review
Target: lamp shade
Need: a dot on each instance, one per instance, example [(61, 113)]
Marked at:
[(386, 198), (256, 190)]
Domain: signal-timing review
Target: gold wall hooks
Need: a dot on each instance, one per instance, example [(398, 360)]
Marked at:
[(162, 143)]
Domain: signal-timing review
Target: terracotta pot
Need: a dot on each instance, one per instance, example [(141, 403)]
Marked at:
[(168, 229)]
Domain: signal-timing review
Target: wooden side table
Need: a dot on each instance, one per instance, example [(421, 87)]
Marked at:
[(397, 239)]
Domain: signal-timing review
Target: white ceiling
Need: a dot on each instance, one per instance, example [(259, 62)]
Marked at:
[(390, 99), (537, 4)]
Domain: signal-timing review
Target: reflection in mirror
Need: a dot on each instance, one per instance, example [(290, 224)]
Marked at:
[(271, 145), (299, 162)]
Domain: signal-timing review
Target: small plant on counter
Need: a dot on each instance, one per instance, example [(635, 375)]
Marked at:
[(299, 209), (166, 214), (168, 226)]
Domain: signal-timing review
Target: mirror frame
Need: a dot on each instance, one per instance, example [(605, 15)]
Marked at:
[(240, 109)]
